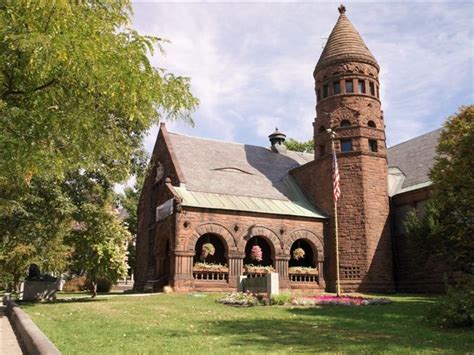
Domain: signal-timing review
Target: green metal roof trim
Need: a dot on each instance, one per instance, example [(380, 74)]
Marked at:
[(298, 206)]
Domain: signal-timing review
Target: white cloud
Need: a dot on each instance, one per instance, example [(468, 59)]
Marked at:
[(251, 64)]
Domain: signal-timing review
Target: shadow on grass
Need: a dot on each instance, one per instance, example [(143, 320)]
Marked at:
[(394, 327)]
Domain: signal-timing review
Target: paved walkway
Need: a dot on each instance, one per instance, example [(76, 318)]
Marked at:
[(9, 344)]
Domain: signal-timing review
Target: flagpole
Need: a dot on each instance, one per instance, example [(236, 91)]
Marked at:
[(338, 283)]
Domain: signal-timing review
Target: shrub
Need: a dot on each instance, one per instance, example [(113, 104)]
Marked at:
[(456, 309), (281, 299), (103, 284), (75, 284)]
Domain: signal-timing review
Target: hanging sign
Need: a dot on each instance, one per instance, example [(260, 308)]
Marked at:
[(164, 210)]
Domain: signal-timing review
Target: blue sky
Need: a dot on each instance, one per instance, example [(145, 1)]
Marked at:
[(251, 64)]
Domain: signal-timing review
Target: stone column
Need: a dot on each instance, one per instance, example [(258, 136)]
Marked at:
[(236, 262), (183, 270), (322, 283), (281, 264)]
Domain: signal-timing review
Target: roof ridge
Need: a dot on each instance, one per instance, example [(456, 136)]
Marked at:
[(230, 142), (412, 139)]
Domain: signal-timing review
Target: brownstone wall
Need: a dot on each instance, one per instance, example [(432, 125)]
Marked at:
[(236, 228), (153, 194), (363, 208)]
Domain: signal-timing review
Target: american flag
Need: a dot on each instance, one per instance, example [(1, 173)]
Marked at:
[(335, 178)]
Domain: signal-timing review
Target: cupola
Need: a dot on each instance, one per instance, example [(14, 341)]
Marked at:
[(277, 140)]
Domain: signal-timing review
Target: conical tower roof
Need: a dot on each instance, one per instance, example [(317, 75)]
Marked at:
[(345, 44)]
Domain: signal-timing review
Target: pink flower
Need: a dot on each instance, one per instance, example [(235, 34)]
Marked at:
[(256, 253)]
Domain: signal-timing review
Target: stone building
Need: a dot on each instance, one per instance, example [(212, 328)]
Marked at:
[(234, 205)]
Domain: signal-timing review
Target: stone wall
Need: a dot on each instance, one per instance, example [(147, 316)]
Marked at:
[(236, 228), (363, 208)]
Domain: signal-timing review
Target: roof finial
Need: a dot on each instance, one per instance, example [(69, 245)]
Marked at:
[(342, 9)]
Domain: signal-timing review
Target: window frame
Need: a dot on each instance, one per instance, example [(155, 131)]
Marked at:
[(343, 145)]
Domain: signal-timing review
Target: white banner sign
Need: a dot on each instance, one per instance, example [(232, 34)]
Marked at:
[(164, 210)]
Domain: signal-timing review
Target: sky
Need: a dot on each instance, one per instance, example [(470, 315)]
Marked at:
[(251, 64)]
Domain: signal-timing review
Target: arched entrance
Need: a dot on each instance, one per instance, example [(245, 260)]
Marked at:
[(203, 255), (308, 258), (210, 261), (259, 257), (303, 266)]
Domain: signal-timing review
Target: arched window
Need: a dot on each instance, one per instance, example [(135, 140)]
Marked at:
[(266, 256), (345, 123), (218, 256), (371, 124), (322, 129)]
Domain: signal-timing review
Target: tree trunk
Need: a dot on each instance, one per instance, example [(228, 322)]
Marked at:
[(94, 288)]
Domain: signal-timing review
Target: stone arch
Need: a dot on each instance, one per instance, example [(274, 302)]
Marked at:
[(315, 241), (261, 231), (213, 228)]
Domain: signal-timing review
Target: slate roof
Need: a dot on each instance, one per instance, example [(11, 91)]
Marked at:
[(212, 167), (344, 43), (415, 158)]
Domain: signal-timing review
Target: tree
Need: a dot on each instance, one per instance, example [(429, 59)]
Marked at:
[(99, 238), (77, 94), (34, 231), (77, 90), (297, 146), (447, 228)]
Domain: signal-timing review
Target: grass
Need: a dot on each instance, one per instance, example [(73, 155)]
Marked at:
[(187, 323)]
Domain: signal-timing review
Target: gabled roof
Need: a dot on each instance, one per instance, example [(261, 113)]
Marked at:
[(415, 158), (226, 175), (345, 44)]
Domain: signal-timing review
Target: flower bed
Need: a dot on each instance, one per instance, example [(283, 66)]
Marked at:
[(344, 300), (257, 269), (239, 299), (210, 267), (303, 270)]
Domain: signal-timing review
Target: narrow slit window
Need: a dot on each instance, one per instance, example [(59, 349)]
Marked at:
[(373, 147), (361, 87), (346, 145), (325, 91), (349, 87), (318, 94), (337, 87), (322, 150)]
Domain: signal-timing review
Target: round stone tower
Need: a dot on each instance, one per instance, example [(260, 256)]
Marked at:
[(348, 102)]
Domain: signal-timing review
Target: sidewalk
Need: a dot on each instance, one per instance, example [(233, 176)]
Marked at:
[(9, 343)]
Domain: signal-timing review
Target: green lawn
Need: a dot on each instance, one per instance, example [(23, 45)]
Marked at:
[(186, 323)]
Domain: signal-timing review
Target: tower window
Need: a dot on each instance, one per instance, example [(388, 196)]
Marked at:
[(337, 87), (346, 145), (325, 90), (322, 129), (373, 145), (378, 91), (318, 94), (371, 124), (361, 87), (345, 123), (322, 150), (372, 89), (349, 87)]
